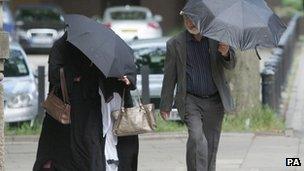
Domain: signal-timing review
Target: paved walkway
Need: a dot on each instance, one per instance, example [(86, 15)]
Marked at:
[(166, 152), (295, 112)]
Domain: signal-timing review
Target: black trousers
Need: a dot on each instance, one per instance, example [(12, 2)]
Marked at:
[(127, 149)]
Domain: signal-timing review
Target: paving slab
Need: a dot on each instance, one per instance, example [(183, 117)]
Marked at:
[(237, 152), (271, 152)]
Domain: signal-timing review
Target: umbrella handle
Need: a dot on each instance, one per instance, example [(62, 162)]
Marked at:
[(256, 52)]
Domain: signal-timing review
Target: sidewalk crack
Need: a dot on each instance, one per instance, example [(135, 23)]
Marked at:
[(247, 152)]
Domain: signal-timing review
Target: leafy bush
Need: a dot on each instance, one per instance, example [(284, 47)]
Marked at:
[(296, 4)]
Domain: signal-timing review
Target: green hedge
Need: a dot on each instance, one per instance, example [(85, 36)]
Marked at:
[(296, 4)]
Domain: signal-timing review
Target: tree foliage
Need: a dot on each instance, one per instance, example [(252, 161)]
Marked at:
[(296, 4)]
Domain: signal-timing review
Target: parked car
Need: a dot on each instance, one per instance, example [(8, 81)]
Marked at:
[(39, 26), (152, 52), (8, 20), (20, 89), (132, 22)]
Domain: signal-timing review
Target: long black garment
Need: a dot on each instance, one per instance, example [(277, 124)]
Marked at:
[(127, 149), (78, 146)]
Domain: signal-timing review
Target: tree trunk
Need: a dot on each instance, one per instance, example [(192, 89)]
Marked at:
[(245, 81), (4, 52)]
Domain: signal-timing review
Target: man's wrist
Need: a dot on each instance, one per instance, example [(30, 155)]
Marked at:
[(227, 56)]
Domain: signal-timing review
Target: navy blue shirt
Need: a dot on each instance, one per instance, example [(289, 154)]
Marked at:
[(199, 74)]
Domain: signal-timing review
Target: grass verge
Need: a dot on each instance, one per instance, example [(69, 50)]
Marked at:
[(258, 119), (24, 128), (169, 126)]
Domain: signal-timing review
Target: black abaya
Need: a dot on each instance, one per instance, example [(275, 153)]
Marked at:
[(78, 146)]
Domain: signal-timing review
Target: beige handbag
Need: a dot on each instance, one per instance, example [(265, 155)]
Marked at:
[(57, 108), (135, 120)]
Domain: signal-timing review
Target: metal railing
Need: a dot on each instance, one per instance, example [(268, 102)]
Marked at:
[(278, 65)]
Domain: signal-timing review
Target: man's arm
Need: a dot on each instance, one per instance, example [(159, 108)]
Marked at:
[(169, 81)]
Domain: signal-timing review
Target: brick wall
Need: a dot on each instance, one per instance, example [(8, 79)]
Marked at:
[(86, 7), (169, 9)]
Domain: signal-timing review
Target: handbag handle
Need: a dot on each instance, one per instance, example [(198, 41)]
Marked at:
[(63, 86), (137, 95)]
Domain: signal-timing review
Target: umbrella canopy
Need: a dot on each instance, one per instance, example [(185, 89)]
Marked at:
[(243, 24), (101, 45)]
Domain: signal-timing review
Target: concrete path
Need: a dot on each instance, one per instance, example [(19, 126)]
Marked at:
[(295, 112), (166, 152)]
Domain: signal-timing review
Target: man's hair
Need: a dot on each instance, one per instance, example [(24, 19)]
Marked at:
[(185, 17)]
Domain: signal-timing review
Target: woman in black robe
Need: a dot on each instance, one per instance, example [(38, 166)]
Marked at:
[(78, 146)]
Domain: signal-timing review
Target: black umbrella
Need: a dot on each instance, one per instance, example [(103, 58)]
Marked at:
[(243, 24), (102, 46)]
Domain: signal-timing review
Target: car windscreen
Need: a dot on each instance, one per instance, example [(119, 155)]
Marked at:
[(128, 15), (38, 14), (15, 65), (153, 57)]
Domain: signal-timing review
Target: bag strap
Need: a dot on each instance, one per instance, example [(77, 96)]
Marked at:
[(137, 95), (63, 86), (141, 105), (123, 98)]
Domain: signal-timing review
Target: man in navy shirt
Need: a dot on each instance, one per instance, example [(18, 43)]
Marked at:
[(195, 65)]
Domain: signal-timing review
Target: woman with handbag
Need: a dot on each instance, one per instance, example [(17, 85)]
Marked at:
[(72, 143), (129, 121), (128, 146)]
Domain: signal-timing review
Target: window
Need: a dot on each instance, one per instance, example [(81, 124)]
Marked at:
[(15, 65), (154, 57), (38, 14), (128, 15)]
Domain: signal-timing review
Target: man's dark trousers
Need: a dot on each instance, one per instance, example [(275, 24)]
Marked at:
[(203, 118)]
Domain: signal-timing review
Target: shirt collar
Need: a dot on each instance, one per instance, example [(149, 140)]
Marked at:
[(190, 37)]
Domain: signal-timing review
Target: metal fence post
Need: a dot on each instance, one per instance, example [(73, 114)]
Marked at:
[(268, 88), (41, 91), (145, 71)]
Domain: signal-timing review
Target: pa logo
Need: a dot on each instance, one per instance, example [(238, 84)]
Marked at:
[(293, 162)]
